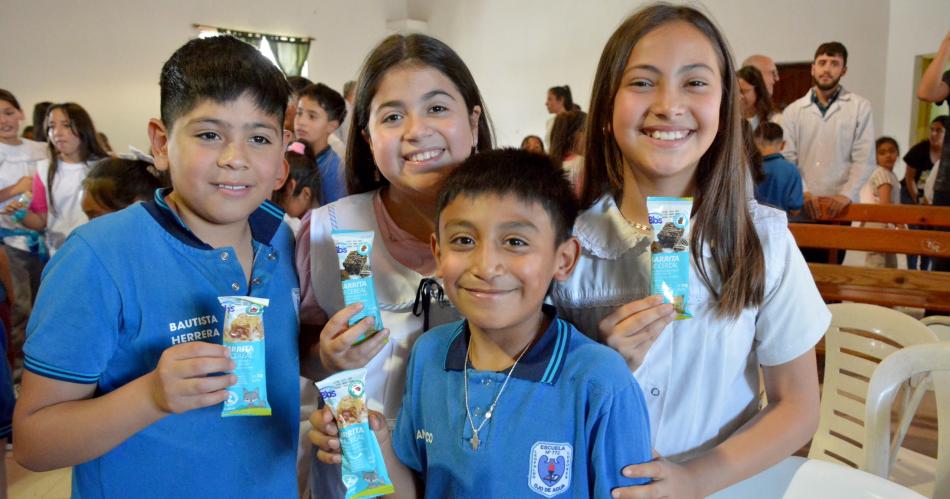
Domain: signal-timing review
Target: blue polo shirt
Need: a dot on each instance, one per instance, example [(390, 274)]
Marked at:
[(332, 184), (571, 417), (782, 187), (129, 285)]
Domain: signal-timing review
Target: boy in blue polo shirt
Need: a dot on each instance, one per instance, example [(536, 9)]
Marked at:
[(123, 356), (320, 110), (782, 187), (512, 401)]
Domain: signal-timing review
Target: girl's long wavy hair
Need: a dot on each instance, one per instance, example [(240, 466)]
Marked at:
[(723, 222), (89, 148)]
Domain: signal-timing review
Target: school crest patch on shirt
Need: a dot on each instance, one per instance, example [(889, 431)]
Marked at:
[(550, 468)]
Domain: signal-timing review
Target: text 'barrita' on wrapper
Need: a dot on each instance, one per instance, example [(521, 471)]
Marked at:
[(244, 337), (364, 470), (669, 252), (353, 251)]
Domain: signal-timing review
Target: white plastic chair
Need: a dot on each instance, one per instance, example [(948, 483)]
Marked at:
[(859, 337), (932, 359), (939, 324)]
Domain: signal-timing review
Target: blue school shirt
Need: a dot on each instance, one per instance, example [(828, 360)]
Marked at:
[(571, 417), (332, 184), (129, 285), (782, 187)]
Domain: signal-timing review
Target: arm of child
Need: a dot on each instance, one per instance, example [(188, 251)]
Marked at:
[(323, 435), (619, 434), (884, 193), (36, 215), (59, 424), (789, 420), (6, 279), (23, 185)]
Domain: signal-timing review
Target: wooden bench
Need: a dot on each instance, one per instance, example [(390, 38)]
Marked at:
[(887, 287)]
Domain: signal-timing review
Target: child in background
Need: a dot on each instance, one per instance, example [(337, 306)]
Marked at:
[(301, 192), (567, 146), (320, 109), (882, 188), (503, 235), (297, 83), (665, 121), (782, 187), (115, 183), (18, 161), (123, 354), (417, 115), (533, 143), (56, 207)]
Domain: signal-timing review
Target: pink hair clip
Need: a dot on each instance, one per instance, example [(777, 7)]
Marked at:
[(297, 147)]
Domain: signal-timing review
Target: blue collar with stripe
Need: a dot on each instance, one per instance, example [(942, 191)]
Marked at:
[(542, 363), (264, 221)]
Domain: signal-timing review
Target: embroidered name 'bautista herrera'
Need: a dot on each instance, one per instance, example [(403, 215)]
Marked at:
[(204, 320)]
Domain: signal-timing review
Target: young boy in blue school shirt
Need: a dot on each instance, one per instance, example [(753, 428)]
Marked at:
[(782, 187), (320, 110), (125, 370), (512, 401)]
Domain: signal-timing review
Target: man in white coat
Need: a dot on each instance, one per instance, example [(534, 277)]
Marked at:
[(829, 134)]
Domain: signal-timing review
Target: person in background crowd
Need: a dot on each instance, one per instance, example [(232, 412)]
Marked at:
[(767, 69), (919, 162), (533, 143), (935, 87)]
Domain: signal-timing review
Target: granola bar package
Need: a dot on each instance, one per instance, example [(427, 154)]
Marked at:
[(669, 253), (364, 470), (353, 249), (244, 336)]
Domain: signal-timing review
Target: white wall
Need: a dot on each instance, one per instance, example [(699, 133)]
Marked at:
[(108, 57), (517, 50), (107, 54), (915, 29)]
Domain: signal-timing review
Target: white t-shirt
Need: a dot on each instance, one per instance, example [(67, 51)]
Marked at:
[(881, 176), (17, 162), (65, 212), (700, 378)]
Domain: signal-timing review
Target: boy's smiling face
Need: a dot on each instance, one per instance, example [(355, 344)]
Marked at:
[(224, 160), (497, 257)]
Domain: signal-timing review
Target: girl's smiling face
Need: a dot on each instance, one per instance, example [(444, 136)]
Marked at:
[(666, 111), (10, 118), (419, 129)]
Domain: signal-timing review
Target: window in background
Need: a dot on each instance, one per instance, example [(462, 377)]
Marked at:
[(289, 53)]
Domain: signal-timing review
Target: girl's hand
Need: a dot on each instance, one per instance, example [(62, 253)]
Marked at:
[(632, 328), (336, 349), (324, 431), (669, 480), (12, 207), (182, 381)]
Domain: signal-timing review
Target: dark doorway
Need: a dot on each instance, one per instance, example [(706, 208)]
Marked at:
[(794, 80)]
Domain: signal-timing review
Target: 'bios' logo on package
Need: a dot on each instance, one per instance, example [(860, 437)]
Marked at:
[(655, 219), (340, 249), (328, 394)]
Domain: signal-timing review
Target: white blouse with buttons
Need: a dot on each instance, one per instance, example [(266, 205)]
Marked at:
[(700, 378)]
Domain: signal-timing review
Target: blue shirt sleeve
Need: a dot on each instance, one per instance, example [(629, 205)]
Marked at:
[(73, 330), (619, 437), (331, 177), (404, 440)]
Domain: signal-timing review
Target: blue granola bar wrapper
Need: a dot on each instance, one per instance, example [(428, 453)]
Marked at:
[(364, 470), (353, 250), (244, 336), (669, 252)]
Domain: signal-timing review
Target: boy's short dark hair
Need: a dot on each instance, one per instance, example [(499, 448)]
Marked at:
[(298, 83), (943, 119), (833, 49), (330, 100), (769, 132), (220, 68), (532, 178)]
